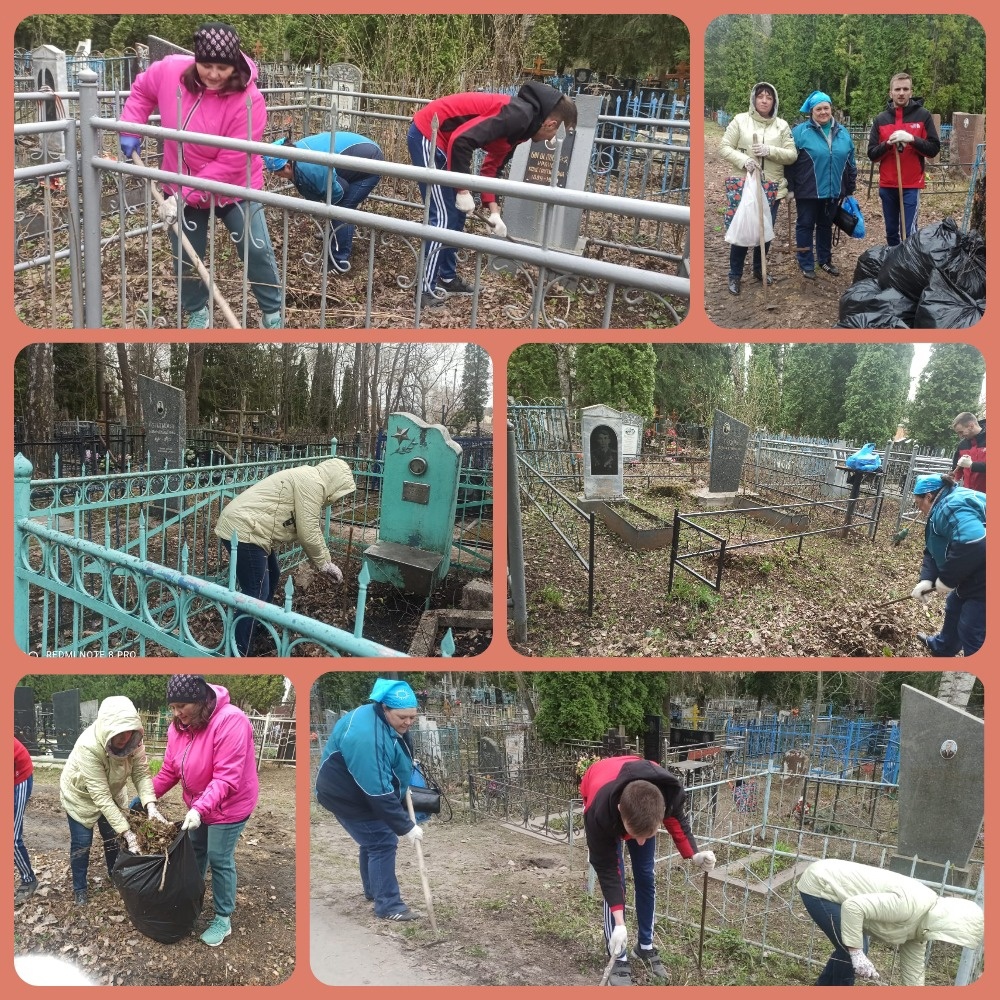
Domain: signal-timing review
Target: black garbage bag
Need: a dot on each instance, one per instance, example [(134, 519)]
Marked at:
[(881, 320), (945, 307), (908, 267), (882, 306), (870, 262), (966, 266), (163, 895)]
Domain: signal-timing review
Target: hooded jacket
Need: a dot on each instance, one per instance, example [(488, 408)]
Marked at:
[(367, 767), (93, 781), (310, 179), (774, 132), (916, 120), (955, 542), (212, 112), (495, 123), (974, 477), (601, 789), (288, 506), (895, 908), (216, 766)]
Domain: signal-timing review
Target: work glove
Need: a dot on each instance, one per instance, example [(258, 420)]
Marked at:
[(750, 165), (130, 144), (760, 149), (943, 589), (192, 820), (414, 835), (901, 135), (862, 965), (965, 462), (923, 592), (131, 842), (153, 813), (618, 940), (497, 225), (704, 861), (464, 202), (332, 569), (167, 210)]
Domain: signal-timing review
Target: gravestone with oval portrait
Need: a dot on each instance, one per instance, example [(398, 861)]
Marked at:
[(632, 427), (603, 461), (729, 448)]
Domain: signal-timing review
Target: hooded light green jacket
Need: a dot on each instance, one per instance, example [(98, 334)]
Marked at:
[(94, 778), (774, 132), (894, 908), (288, 506)]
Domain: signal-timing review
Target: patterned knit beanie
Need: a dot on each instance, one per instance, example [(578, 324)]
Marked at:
[(187, 689), (218, 43)]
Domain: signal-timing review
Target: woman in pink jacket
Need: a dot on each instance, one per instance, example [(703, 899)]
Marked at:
[(215, 90), (210, 752)]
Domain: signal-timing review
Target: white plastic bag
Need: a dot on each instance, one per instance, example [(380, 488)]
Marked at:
[(744, 230)]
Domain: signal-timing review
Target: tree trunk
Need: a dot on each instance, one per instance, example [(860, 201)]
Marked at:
[(40, 411), (129, 395), (956, 687), (192, 383), (99, 381)]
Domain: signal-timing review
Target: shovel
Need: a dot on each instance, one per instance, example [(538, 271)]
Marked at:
[(760, 220), (899, 184), (704, 906), (420, 865)]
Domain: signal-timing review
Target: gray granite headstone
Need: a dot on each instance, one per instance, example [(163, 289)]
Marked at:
[(160, 47), (65, 721), (164, 417), (491, 760), (729, 448), (48, 64), (532, 162), (941, 791), (603, 462), (632, 427), (25, 727), (345, 79)]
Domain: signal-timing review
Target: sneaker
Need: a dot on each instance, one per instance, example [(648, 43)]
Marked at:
[(80, 897), (831, 269), (650, 958), (217, 932), (621, 974), (811, 275), (24, 891), (927, 640), (760, 277), (402, 915), (456, 286), (428, 300), (198, 320), (272, 321)]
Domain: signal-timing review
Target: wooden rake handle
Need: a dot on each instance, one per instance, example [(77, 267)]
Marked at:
[(420, 865)]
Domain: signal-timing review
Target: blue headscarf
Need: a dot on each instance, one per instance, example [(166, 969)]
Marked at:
[(816, 97), (393, 694), (927, 484)]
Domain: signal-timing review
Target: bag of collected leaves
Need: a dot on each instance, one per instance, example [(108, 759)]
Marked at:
[(966, 265), (163, 892), (908, 267), (943, 306), (870, 262), (882, 307)]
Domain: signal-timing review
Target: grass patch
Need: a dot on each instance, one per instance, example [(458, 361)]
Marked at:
[(695, 595)]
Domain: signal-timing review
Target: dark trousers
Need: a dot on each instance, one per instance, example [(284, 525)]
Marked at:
[(890, 211), (643, 877), (257, 574), (738, 255), (81, 839), (963, 628), (839, 970), (814, 225), (357, 186)]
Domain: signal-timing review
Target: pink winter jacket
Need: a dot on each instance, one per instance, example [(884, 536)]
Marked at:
[(216, 766), (221, 114)]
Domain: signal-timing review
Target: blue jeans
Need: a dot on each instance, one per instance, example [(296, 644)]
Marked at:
[(890, 212), (377, 862), (262, 271), (22, 792), (738, 255), (440, 261), (963, 628), (814, 223), (257, 574), (215, 847), (839, 971), (81, 838), (357, 186), (645, 888)]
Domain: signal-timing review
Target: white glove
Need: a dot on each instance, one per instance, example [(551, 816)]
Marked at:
[(751, 165), (497, 225), (167, 210), (153, 813), (760, 149), (704, 861), (965, 462), (192, 820), (414, 835), (464, 202), (923, 592), (332, 569), (618, 940), (901, 135), (941, 589), (131, 841), (862, 965)]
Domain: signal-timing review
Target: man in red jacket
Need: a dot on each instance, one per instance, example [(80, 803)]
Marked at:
[(905, 127), (494, 123), (969, 462), (625, 802)]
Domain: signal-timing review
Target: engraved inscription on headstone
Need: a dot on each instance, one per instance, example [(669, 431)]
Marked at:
[(729, 448), (164, 416), (538, 169), (603, 464), (416, 492), (632, 426)]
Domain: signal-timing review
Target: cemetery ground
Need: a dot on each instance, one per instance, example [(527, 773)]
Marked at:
[(774, 601), (100, 939), (799, 303)]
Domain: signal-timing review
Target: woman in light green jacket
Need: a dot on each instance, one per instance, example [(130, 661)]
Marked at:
[(93, 787), (754, 138)]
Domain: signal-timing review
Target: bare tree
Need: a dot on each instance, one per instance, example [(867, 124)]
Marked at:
[(192, 383), (956, 687), (129, 395), (40, 411)]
